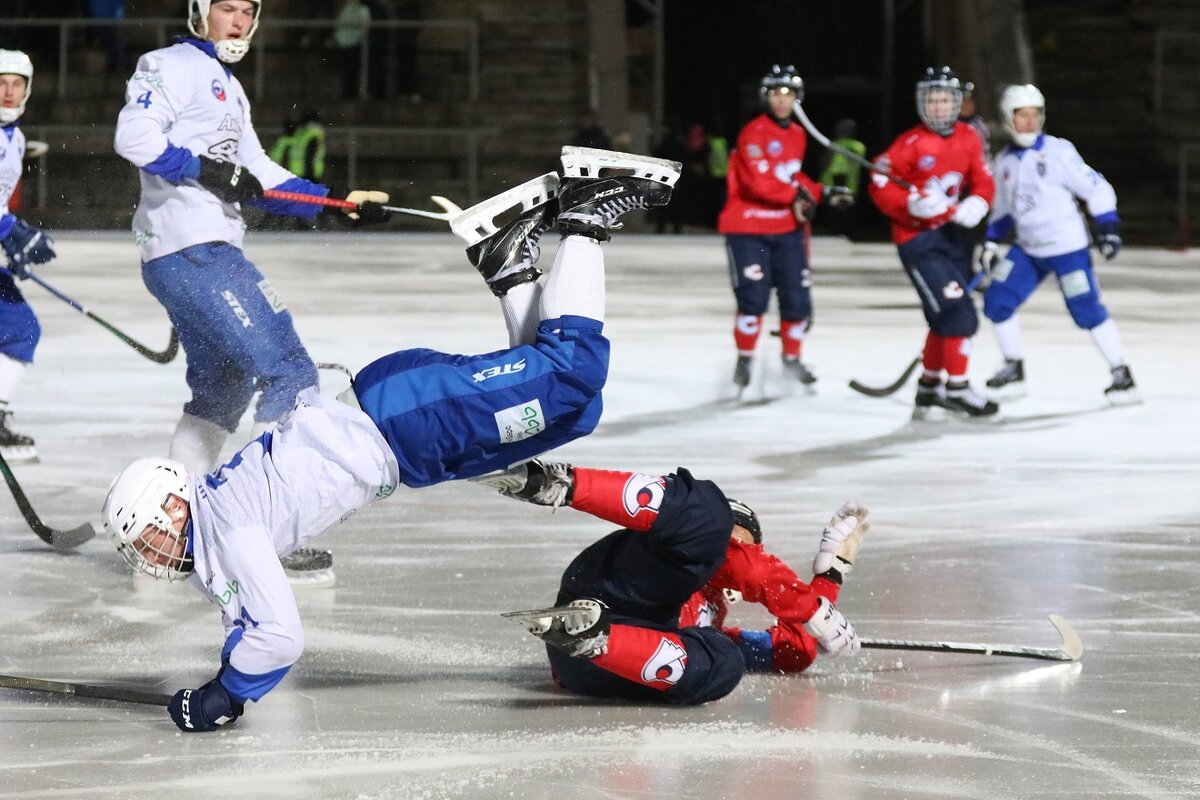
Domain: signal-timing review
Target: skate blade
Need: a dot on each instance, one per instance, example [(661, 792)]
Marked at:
[(1129, 397), (588, 162), (929, 414), (479, 221), (539, 620), (20, 454), (512, 479), (1006, 394), (313, 579)]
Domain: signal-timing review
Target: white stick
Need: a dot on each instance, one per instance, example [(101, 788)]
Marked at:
[(798, 110)]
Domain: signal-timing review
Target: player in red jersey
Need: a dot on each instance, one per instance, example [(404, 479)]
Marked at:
[(951, 191), (646, 619), (766, 225)]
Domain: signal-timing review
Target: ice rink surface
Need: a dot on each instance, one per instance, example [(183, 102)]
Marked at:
[(413, 687)]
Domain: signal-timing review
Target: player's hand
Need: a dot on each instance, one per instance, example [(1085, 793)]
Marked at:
[(839, 196), (369, 210), (970, 212), (804, 206), (204, 709), (927, 206), (832, 631), (839, 540), (1109, 242), (25, 246), (231, 182)]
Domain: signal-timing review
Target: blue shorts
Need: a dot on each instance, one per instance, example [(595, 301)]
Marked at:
[(19, 327), (760, 262)]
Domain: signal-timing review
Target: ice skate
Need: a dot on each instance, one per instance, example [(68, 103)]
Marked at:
[(1009, 381), (505, 254), (542, 483), (794, 370), (15, 446), (1123, 391), (930, 403), (309, 566), (741, 372), (578, 629), (591, 203), (963, 400)]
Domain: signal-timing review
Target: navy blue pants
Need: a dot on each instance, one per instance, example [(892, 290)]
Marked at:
[(780, 261), (938, 262)]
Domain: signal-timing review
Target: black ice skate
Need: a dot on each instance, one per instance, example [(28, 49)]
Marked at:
[(741, 372), (1009, 380), (505, 256), (795, 370), (543, 483), (930, 404), (15, 446), (1123, 391), (962, 399), (309, 566), (578, 629), (590, 203)]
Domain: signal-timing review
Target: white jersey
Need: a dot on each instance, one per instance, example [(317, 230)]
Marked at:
[(182, 96), (324, 463), (12, 162), (1037, 188)]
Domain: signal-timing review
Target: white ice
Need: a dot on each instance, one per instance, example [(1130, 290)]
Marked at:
[(413, 687)]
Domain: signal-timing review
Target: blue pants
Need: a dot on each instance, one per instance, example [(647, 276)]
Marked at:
[(19, 327), (938, 262), (1076, 279), (645, 578), (236, 332), (780, 261), (458, 416)]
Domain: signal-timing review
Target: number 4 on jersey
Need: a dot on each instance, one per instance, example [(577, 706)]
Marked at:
[(144, 100)]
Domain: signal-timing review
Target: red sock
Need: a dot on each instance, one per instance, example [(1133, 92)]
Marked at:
[(628, 499), (934, 356), (957, 352), (652, 658), (792, 333), (745, 333)]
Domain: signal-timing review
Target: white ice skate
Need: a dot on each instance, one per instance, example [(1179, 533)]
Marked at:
[(578, 629), (588, 162), (478, 222)]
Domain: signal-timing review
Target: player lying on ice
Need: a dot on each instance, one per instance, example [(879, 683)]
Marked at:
[(413, 418), (640, 614)]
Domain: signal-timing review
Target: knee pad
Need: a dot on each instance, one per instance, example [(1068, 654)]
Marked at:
[(795, 304), (958, 318), (1000, 302), (752, 298)]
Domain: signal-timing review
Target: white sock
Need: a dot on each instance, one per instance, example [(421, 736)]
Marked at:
[(1109, 341), (575, 285), (197, 444), (1008, 335), (520, 306), (11, 373)]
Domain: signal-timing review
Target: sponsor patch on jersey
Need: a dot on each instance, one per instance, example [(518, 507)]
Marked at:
[(774, 147), (520, 421), (643, 491), (1041, 169), (510, 368), (926, 163), (753, 151), (666, 665), (763, 166), (273, 298), (1075, 284), (218, 90)]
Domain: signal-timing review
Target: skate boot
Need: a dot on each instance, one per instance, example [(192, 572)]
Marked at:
[(309, 566), (591, 203), (543, 483), (840, 542), (505, 255), (962, 399), (741, 372), (578, 629), (794, 369), (1009, 380), (15, 446), (930, 403), (1123, 391)]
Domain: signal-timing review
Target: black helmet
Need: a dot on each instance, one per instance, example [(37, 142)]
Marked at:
[(782, 78), (935, 80), (744, 515)]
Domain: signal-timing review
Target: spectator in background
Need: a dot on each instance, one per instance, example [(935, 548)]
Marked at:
[(842, 171), (590, 133), (110, 37), (349, 36), (718, 170), (970, 115)]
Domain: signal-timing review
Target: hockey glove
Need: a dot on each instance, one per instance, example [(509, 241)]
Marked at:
[(231, 182), (1109, 243), (839, 196), (988, 259), (970, 212), (370, 209), (840, 539), (927, 206), (832, 631), (804, 206), (204, 709), (26, 246)]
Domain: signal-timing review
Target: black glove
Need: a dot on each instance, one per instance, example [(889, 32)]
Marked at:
[(26, 246), (204, 709), (1109, 241), (804, 206), (369, 211), (231, 182), (839, 196)]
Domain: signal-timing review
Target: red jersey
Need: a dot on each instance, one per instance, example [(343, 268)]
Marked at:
[(952, 166), (764, 176)]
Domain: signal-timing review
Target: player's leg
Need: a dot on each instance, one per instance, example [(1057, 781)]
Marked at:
[(750, 275), (793, 285), (19, 336), (1013, 280)]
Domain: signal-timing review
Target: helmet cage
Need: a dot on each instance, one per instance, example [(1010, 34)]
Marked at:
[(135, 515), (934, 82), (229, 51), (744, 516), (781, 78), (1022, 96), (15, 62)]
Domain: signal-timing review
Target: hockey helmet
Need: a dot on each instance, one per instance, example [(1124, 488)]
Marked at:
[(138, 513), (14, 62), (230, 51), (939, 99), (1022, 96), (782, 77), (744, 515)]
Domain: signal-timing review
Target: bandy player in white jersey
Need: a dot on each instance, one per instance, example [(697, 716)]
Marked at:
[(1039, 179)]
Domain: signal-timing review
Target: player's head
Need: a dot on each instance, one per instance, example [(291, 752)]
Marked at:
[(147, 516), (228, 24), (745, 518), (16, 82), (1023, 108), (779, 88), (939, 99)]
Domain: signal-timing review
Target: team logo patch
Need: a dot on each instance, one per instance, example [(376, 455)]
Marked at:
[(747, 324), (666, 665), (752, 272), (952, 291), (218, 90), (753, 151), (510, 368), (774, 147), (1041, 169), (643, 491), (926, 163), (520, 421)]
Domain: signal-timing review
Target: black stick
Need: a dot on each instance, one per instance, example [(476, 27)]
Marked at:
[(118, 693), (1071, 648), (891, 388), (59, 540)]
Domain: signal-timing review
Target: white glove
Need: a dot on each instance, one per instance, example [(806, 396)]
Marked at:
[(927, 206), (833, 631), (841, 538), (969, 212), (988, 260)]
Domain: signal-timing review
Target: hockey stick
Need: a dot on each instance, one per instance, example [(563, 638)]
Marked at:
[(117, 693), (1071, 648), (451, 209), (891, 388), (164, 357), (798, 110), (59, 540)]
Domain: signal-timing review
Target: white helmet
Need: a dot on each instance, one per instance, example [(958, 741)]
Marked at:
[(137, 500), (230, 51), (14, 62), (1022, 96)]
